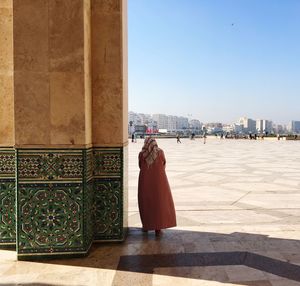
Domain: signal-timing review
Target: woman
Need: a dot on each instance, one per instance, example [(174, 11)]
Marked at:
[(154, 195)]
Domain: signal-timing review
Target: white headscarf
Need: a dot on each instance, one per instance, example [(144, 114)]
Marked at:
[(150, 150)]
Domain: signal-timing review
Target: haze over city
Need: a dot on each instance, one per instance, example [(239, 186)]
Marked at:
[(215, 60)]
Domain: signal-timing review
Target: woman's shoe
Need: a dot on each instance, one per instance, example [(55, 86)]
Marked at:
[(157, 232)]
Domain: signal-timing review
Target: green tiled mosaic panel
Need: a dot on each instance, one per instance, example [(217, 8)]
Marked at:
[(50, 165), (108, 192), (7, 197), (66, 199), (50, 218), (7, 212), (50, 202), (108, 209), (107, 162)]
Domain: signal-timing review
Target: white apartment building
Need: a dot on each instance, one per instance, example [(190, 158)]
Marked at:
[(294, 126), (133, 117), (144, 118), (182, 122), (162, 120), (263, 126), (249, 125), (232, 128), (172, 123)]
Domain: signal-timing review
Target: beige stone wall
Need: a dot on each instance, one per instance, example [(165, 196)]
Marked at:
[(52, 71), (109, 89), (6, 74), (69, 65)]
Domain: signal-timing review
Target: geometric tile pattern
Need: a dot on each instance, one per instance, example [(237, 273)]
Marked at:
[(108, 193), (8, 162), (88, 215), (108, 209), (50, 165), (50, 218), (7, 197), (107, 162), (68, 198), (50, 202), (7, 212)]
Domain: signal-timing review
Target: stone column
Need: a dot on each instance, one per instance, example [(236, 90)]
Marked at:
[(7, 140), (63, 95), (109, 92), (52, 90)]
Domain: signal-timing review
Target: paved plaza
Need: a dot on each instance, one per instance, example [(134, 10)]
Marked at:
[(238, 215)]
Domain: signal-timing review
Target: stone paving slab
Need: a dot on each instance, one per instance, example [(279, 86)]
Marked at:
[(232, 197)]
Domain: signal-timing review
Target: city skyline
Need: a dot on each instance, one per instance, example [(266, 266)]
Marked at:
[(191, 117), (173, 123), (213, 59)]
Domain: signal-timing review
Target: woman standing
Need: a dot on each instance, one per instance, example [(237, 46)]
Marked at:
[(154, 195)]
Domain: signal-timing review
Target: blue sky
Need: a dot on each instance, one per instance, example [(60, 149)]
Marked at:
[(215, 59)]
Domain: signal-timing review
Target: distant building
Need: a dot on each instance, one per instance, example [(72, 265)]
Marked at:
[(133, 117), (162, 120), (279, 129), (182, 123), (232, 128), (248, 125), (195, 124), (144, 118), (172, 123), (295, 126), (259, 126), (264, 126), (214, 127)]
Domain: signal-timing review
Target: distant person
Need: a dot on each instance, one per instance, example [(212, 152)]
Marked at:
[(178, 138), (204, 138), (154, 195), (255, 136)]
